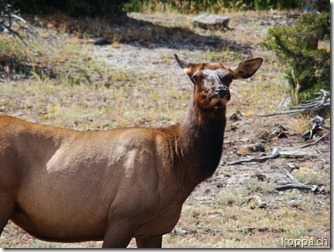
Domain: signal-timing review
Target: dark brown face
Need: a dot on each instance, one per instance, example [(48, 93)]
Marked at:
[(212, 86), (212, 81)]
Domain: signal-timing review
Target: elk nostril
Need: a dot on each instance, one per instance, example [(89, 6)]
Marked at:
[(223, 93)]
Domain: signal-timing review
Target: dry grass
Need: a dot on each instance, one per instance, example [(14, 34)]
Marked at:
[(243, 226)]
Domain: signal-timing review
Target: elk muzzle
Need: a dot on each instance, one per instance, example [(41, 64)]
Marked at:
[(223, 92)]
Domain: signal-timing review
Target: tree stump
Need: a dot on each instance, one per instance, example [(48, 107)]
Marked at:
[(211, 21)]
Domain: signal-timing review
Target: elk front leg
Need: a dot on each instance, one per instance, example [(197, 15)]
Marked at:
[(118, 235), (7, 206), (149, 242)]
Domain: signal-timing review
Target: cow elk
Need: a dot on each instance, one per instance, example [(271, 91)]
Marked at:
[(64, 185)]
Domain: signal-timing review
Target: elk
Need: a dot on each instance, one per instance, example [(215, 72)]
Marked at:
[(65, 185)]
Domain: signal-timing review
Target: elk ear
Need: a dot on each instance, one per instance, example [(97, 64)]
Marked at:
[(182, 63), (246, 68)]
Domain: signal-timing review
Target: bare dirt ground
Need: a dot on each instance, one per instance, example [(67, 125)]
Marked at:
[(239, 206)]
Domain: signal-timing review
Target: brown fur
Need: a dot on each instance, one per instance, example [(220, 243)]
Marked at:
[(70, 186)]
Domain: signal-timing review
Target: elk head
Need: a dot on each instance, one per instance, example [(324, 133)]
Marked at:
[(212, 81)]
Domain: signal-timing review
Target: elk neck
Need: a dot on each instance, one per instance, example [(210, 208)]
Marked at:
[(199, 144)]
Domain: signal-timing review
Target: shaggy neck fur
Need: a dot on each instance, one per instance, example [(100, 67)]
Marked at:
[(200, 144)]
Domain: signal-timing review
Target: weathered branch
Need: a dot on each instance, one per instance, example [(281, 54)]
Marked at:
[(320, 122), (311, 106), (294, 154), (274, 154), (315, 141), (8, 18), (294, 183), (289, 175), (296, 186), (317, 123)]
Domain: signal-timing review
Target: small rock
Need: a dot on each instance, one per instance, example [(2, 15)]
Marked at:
[(255, 201), (181, 231), (250, 149), (99, 41), (294, 203), (259, 176), (235, 116), (44, 35)]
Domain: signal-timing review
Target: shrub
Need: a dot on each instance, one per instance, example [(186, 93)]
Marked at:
[(300, 47), (215, 6)]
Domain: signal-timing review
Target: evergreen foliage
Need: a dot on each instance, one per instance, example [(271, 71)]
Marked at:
[(299, 47)]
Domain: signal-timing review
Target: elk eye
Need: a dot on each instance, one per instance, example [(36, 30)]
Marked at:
[(227, 80), (195, 78)]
